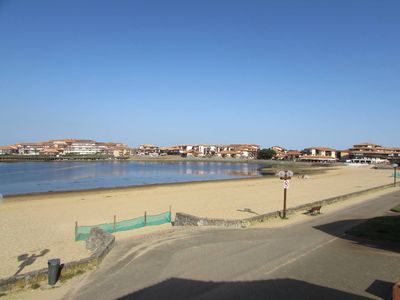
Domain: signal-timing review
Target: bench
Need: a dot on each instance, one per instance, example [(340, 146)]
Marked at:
[(314, 210)]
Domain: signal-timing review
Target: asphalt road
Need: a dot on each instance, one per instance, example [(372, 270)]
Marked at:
[(309, 260)]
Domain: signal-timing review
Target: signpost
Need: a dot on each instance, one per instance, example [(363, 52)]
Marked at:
[(285, 176)]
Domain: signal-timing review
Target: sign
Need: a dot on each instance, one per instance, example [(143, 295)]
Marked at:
[(286, 184)]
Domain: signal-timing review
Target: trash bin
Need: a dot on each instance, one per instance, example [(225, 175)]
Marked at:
[(54, 268)]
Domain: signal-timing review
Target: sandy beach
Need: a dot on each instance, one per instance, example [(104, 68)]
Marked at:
[(30, 224)]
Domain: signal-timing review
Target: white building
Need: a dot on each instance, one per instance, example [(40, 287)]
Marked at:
[(83, 147)]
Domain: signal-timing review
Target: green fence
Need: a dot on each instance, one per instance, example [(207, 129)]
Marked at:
[(82, 232)]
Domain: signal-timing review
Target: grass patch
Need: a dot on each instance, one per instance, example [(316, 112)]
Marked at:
[(68, 276), (396, 208), (385, 229)]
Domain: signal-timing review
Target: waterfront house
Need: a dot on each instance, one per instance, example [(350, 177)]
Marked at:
[(8, 150), (280, 152), (32, 148), (148, 149), (293, 155), (319, 154)]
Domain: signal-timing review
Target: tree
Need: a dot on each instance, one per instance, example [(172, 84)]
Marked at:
[(266, 154)]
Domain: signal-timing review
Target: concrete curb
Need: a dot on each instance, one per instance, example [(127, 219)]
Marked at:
[(69, 269), (183, 219)]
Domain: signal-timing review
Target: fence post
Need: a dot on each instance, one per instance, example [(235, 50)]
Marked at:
[(145, 218), (115, 220), (170, 218), (76, 230)]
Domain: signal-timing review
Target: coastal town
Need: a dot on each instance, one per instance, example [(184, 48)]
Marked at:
[(363, 153)]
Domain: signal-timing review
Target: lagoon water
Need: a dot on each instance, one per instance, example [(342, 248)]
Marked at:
[(34, 177)]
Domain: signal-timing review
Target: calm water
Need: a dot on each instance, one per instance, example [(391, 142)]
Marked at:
[(31, 177)]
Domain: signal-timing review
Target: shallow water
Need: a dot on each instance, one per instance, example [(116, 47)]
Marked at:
[(33, 177)]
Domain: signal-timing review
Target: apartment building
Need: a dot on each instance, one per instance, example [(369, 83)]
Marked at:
[(373, 153), (319, 154), (83, 147)]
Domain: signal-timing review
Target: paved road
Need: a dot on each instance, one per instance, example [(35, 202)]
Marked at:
[(309, 260)]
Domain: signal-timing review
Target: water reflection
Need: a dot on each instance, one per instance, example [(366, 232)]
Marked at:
[(27, 177)]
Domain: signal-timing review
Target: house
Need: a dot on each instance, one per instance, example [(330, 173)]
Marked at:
[(319, 154), (8, 150), (173, 150), (32, 148), (51, 152), (120, 151), (245, 150), (148, 149), (342, 155), (293, 155), (280, 152)]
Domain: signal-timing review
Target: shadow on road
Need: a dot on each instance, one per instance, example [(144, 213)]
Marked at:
[(381, 289), (339, 228), (183, 289)]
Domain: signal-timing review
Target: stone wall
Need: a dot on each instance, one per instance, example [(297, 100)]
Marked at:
[(183, 219), (101, 241)]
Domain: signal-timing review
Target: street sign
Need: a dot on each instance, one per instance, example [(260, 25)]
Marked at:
[(286, 184)]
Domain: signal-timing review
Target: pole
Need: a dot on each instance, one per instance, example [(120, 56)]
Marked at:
[(115, 221), (394, 176), (145, 218), (170, 213), (76, 230), (284, 203)]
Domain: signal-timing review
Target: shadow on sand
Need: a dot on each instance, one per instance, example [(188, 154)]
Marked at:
[(184, 289)]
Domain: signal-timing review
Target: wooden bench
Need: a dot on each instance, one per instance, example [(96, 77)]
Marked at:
[(314, 210)]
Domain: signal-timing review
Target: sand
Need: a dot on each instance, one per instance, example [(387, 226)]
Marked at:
[(30, 224)]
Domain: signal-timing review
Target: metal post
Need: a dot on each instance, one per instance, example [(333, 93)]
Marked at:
[(284, 203), (394, 176), (170, 218), (145, 218), (76, 230), (115, 221)]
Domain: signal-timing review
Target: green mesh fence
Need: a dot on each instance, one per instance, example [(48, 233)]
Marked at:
[(83, 232)]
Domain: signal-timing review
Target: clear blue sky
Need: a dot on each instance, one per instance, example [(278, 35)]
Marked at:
[(293, 73)]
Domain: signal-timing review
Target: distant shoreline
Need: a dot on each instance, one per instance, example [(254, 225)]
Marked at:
[(172, 159)]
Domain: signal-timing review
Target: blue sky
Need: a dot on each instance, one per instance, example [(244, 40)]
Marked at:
[(293, 73)]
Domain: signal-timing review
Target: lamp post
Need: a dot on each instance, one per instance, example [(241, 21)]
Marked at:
[(285, 176), (394, 174)]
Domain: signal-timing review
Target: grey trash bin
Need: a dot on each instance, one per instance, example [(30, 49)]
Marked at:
[(54, 269)]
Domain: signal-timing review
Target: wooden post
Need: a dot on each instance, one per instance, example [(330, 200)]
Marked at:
[(145, 218), (170, 218), (76, 230), (115, 221)]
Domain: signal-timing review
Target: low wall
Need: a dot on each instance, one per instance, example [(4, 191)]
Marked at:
[(103, 244), (183, 219)]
